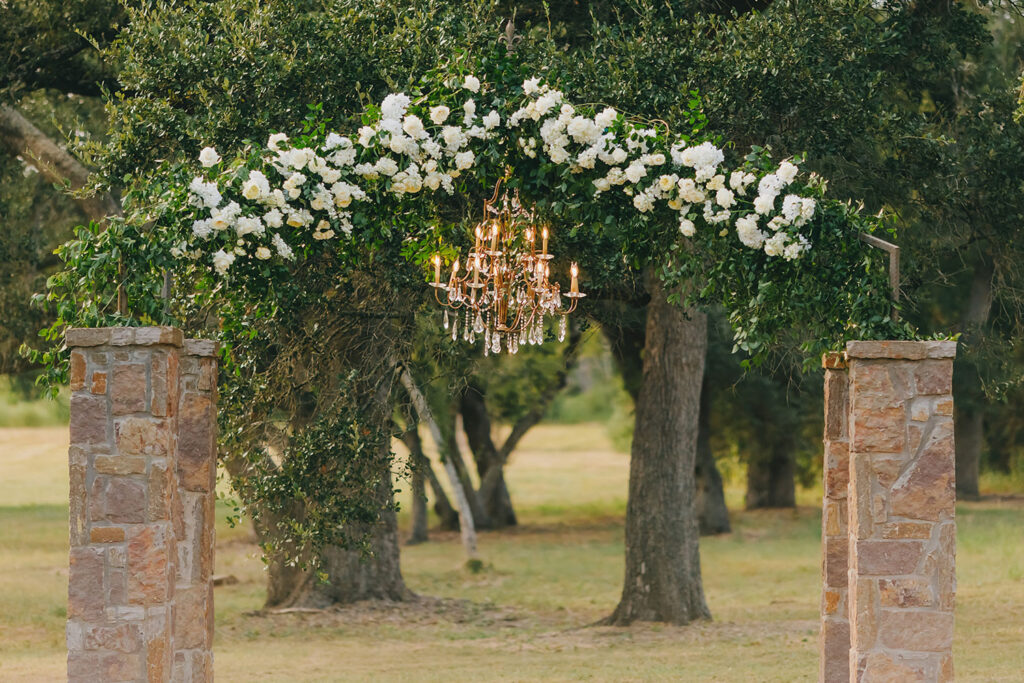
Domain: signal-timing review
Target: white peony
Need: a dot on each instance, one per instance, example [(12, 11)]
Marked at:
[(208, 157)]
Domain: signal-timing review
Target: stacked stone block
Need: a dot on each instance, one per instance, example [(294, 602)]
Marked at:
[(901, 499), (142, 467), (835, 623)]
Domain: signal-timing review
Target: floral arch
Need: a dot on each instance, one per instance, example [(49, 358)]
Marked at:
[(759, 237)]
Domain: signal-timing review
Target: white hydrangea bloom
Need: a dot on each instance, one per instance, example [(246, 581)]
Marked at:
[(248, 225), (206, 193), (748, 232), (282, 248), (202, 228), (394, 105), (386, 166), (273, 218)]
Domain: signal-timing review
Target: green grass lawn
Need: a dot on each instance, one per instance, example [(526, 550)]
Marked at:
[(526, 616)]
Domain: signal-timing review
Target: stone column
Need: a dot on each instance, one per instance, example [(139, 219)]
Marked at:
[(129, 500), (834, 642), (197, 470), (901, 510)]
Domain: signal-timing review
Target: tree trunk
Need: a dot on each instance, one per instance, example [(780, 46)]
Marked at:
[(467, 529), (663, 580), (411, 439), (351, 574), (476, 422), (771, 476), (712, 514), (970, 398)]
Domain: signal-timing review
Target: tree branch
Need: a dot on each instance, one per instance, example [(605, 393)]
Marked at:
[(20, 138)]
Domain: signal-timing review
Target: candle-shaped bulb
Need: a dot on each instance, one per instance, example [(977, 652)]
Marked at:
[(544, 249), (455, 272), (437, 268), (574, 270), (494, 236)]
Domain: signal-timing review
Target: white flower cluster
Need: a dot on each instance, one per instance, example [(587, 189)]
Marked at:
[(312, 189), (694, 182), (302, 191)]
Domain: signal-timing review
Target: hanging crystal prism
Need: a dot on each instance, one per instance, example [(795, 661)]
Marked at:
[(455, 329), (562, 325), (446, 318)]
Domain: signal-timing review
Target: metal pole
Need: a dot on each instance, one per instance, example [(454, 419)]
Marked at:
[(894, 267)]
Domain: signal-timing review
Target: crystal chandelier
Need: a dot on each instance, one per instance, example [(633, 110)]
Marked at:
[(504, 293)]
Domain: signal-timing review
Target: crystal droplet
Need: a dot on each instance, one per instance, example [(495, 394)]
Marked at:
[(562, 325), (478, 324), (455, 328), (446, 318)]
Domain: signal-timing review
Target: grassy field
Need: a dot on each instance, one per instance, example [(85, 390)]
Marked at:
[(526, 616)]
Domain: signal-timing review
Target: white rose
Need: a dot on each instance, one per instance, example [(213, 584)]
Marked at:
[(439, 114), (222, 260), (413, 126), (464, 160), (472, 83), (635, 171), (275, 140), (492, 120), (618, 155), (531, 86), (208, 157), (262, 253), (687, 227), (725, 198), (787, 172)]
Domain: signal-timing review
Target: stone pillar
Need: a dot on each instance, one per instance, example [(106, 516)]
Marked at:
[(901, 506), (134, 455), (197, 473), (835, 625)]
